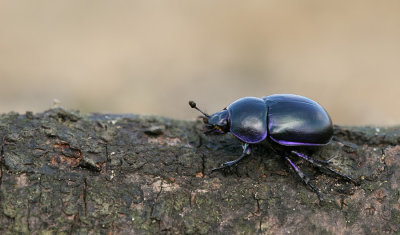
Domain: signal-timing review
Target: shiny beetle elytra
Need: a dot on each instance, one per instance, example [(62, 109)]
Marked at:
[(284, 119)]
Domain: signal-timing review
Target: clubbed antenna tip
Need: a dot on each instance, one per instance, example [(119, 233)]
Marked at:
[(194, 106)]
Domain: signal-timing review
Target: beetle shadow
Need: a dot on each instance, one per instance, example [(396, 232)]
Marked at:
[(272, 156), (329, 165)]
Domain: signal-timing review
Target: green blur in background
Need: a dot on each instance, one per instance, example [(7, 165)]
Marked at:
[(151, 57)]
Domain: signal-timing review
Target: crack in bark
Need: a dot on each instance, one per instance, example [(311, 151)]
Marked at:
[(258, 211), (260, 225), (155, 200), (28, 216), (107, 158), (191, 197), (84, 196), (76, 218), (342, 202), (203, 164), (40, 187), (153, 205)]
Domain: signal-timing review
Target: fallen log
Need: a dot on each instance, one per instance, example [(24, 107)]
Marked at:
[(66, 172)]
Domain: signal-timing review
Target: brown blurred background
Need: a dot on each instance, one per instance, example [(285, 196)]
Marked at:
[(151, 57)]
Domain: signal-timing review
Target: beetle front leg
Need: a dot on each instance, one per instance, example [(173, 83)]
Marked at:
[(246, 152)]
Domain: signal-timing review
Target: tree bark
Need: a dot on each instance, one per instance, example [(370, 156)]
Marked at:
[(66, 172)]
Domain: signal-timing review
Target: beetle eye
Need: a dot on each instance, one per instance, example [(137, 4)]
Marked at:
[(222, 122)]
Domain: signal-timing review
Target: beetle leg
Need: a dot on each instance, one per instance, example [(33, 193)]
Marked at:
[(303, 177), (246, 152), (321, 164), (310, 159)]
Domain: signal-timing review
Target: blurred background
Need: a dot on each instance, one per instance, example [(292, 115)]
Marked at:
[(151, 57)]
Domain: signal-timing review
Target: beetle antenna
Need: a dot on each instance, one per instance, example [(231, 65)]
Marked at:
[(193, 105)]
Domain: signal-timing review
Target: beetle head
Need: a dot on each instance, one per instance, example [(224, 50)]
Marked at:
[(218, 123)]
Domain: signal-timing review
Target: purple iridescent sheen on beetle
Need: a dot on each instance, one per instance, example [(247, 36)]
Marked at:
[(287, 120), (290, 120)]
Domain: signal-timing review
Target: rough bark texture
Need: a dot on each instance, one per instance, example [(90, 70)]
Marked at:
[(69, 173)]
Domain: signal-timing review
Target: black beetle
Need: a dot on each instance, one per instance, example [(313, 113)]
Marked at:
[(287, 120)]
